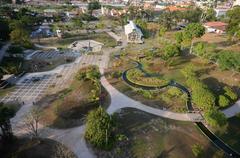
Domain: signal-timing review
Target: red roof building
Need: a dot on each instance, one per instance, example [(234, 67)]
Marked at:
[(216, 27)]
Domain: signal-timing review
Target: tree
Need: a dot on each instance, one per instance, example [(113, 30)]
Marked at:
[(197, 150), (228, 60), (93, 5), (233, 21), (193, 30), (4, 29), (179, 37), (162, 31), (20, 36), (77, 22), (189, 71), (215, 118), (223, 101), (100, 129), (32, 119), (210, 15), (143, 26), (5, 114), (192, 15), (203, 98), (205, 50), (171, 50), (166, 19)]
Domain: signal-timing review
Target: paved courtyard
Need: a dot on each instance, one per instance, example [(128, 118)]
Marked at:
[(53, 54), (33, 86), (30, 88)]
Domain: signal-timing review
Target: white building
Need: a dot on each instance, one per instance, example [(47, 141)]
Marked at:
[(133, 33), (221, 11), (237, 2)]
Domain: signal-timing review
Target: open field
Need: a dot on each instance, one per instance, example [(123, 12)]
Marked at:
[(150, 136), (69, 107), (37, 148), (232, 134), (65, 42)]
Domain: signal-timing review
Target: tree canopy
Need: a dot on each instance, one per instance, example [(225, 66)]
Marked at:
[(100, 128), (215, 118), (233, 27)]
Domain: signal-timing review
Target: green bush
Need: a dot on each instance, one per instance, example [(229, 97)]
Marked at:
[(215, 118), (197, 150), (203, 98), (100, 128), (229, 93), (89, 73), (201, 95), (223, 101), (189, 71), (15, 49), (229, 60), (174, 91)]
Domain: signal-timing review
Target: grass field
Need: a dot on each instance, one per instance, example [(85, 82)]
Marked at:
[(155, 137)]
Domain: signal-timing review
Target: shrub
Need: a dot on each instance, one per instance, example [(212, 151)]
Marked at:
[(215, 118), (197, 150), (14, 49), (203, 98), (223, 101), (229, 93), (90, 73), (100, 128), (174, 91), (189, 71)]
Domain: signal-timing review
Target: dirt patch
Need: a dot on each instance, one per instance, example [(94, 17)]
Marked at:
[(37, 148)]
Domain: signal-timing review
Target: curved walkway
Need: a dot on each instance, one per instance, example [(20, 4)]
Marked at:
[(119, 101), (73, 137), (215, 139)]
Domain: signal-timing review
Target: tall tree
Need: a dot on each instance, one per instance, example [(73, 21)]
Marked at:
[(100, 128), (193, 30), (233, 28), (5, 114)]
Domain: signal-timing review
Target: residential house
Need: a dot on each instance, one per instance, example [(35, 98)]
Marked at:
[(216, 27)]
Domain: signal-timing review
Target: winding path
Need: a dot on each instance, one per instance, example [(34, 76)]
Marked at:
[(216, 140), (73, 137)]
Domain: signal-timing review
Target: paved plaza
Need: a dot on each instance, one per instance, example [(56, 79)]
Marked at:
[(33, 86), (54, 54), (30, 88)]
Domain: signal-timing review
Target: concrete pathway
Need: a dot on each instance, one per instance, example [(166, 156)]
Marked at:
[(233, 110), (119, 101), (73, 137), (44, 47)]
